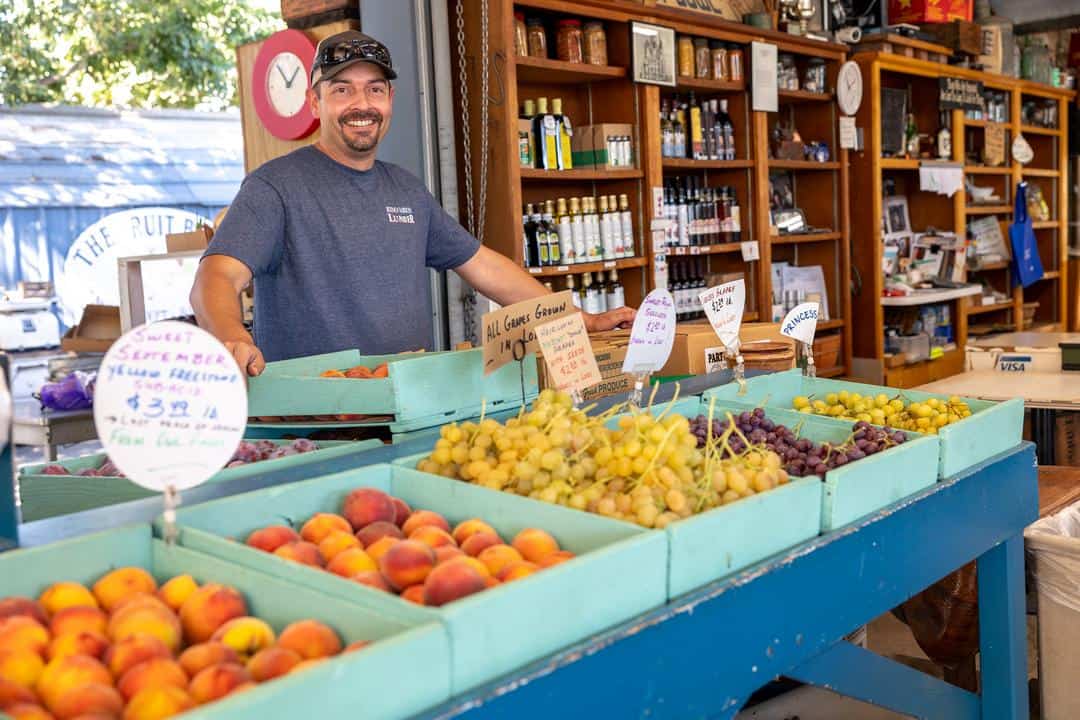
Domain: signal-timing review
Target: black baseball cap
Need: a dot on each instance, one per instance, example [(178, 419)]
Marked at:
[(337, 52)]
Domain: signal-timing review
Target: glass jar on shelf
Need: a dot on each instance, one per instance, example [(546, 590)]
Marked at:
[(735, 63), (702, 59), (685, 45), (718, 52), (536, 38), (814, 77), (569, 40), (521, 38), (787, 75), (595, 43)]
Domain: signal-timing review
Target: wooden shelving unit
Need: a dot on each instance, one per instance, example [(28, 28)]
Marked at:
[(595, 94), (870, 169)]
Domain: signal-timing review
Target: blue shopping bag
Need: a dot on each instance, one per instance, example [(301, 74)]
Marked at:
[(1026, 264)]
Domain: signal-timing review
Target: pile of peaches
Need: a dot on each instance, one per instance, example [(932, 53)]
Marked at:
[(359, 372), (126, 648), (379, 541)]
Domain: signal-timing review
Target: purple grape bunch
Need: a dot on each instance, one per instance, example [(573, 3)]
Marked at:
[(252, 452), (800, 456)]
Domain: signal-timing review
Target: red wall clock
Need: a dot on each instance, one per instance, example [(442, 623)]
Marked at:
[(279, 84)]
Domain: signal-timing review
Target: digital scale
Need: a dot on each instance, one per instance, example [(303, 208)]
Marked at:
[(28, 323)]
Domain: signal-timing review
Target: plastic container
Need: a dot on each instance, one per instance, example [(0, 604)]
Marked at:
[(421, 391), (620, 570), (992, 428), (403, 648), (44, 496)]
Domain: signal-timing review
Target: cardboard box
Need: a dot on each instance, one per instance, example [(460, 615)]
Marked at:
[(197, 239), (698, 351), (525, 128), (590, 144), (1067, 439), (929, 11), (581, 148), (96, 332), (959, 35), (610, 351)]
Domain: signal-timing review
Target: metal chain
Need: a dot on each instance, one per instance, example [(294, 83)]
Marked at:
[(485, 102), (466, 143)]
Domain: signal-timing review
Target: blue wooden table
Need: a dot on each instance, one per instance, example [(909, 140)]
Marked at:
[(704, 654)]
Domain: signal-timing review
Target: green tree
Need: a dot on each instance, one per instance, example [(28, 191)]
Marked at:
[(128, 53)]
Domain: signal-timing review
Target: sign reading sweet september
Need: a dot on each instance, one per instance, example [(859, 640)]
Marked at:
[(653, 334), (568, 353), (510, 332), (170, 405)]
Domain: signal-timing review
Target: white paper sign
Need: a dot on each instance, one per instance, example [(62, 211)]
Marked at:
[(750, 251), (170, 405), (848, 136), (724, 307), (763, 67), (1021, 150), (653, 334), (801, 323)]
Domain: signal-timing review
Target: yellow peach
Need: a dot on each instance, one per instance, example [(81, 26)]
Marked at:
[(12, 693), (217, 681), (350, 562), (310, 639), (66, 594), (246, 635), (157, 703), (152, 673), (93, 699), (466, 528), (146, 619), (79, 618), (534, 544), (22, 667), (23, 633), (272, 662), (86, 642), (133, 650), (177, 590), (203, 655), (27, 711), (69, 672), (337, 542), (320, 525), (208, 608), (121, 584)]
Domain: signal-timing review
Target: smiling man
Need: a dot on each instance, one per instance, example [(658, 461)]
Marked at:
[(337, 242)]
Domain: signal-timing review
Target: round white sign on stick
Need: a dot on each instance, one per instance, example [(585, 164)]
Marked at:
[(170, 405), (801, 323), (724, 307), (653, 334)]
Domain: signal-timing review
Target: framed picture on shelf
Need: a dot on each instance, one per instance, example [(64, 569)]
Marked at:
[(897, 255), (896, 215), (652, 54)]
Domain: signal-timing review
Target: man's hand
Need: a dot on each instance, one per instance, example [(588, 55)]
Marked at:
[(619, 318), (247, 356)]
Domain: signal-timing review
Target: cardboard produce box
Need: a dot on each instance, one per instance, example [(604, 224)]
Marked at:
[(610, 351), (698, 351), (590, 147), (96, 332)]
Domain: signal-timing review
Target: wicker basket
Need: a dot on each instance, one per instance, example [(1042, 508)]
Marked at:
[(827, 351)]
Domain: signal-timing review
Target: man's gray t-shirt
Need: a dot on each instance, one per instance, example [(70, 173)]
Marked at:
[(339, 255)]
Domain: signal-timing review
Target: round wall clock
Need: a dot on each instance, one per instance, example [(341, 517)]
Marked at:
[(849, 88), (279, 84)]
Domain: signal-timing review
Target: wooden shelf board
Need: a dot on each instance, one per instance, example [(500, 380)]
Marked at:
[(802, 96), (577, 175), (750, 317), (987, 123), (835, 371), (685, 82), (557, 72), (985, 170), (988, 209), (834, 324), (802, 165), (681, 251), (980, 309), (588, 267), (992, 266), (1051, 275), (899, 164), (805, 238), (1045, 224), (690, 164), (1040, 172), (1036, 130)]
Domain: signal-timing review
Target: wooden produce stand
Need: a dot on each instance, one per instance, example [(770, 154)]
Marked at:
[(597, 94), (870, 170)]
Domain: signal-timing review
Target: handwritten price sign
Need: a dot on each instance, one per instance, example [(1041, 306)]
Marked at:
[(724, 307), (568, 353), (653, 334), (170, 405), (510, 333)]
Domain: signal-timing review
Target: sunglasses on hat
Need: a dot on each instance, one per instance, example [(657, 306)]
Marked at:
[(348, 51)]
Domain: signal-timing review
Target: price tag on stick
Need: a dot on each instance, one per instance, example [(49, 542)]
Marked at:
[(170, 407), (724, 306), (801, 324), (651, 339), (568, 354)]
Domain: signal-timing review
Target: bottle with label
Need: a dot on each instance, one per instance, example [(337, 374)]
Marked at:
[(944, 137), (695, 129), (592, 229), (554, 246), (590, 296), (667, 132), (626, 225), (532, 245), (727, 132), (575, 295), (545, 137), (565, 132), (911, 137), (577, 231), (678, 130), (616, 296), (607, 238), (562, 225), (683, 211), (537, 219), (526, 149)]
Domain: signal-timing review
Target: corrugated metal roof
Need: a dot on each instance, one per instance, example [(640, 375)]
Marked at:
[(81, 157)]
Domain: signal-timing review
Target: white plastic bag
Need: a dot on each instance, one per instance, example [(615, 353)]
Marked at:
[(1053, 545)]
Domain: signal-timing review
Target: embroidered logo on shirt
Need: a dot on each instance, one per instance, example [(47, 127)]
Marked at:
[(400, 215)]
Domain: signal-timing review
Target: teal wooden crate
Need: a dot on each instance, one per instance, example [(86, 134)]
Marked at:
[(406, 669), (620, 570), (422, 390), (992, 428), (45, 496)]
